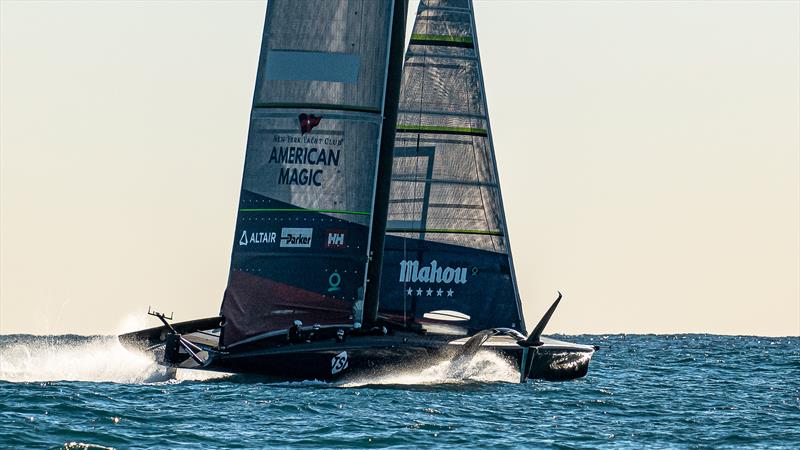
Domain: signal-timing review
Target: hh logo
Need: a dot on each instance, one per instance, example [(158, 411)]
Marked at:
[(308, 122), (336, 239)]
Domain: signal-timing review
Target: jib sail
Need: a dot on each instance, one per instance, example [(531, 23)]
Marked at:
[(447, 257), (302, 232)]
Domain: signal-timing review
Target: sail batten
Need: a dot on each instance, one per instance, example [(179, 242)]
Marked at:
[(432, 55)]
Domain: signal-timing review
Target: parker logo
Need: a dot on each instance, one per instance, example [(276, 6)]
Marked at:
[(336, 239), (308, 122), (296, 237)]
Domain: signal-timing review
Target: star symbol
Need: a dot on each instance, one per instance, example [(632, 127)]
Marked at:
[(449, 292), (419, 291), (439, 292), (409, 291), (429, 291)]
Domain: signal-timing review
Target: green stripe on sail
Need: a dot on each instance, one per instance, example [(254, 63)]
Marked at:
[(441, 41), (300, 210), (441, 130), (444, 230), (441, 38)]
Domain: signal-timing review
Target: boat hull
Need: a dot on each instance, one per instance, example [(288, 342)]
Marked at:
[(364, 355), (369, 356)]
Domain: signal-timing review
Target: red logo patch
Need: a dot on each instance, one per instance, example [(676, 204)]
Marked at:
[(308, 122)]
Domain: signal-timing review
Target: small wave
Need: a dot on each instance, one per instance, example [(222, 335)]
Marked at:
[(77, 358), (484, 367)]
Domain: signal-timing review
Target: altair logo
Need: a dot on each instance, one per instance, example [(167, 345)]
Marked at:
[(296, 237), (410, 272), (257, 238), (308, 122)]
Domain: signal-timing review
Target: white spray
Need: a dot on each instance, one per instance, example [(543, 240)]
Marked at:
[(484, 367), (97, 359)]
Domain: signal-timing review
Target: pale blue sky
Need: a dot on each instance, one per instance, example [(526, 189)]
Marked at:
[(649, 154)]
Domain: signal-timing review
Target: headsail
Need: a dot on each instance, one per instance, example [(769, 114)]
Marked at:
[(447, 245), (302, 232)]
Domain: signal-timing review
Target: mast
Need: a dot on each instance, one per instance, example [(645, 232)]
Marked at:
[(384, 170)]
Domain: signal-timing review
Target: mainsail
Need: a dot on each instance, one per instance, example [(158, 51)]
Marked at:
[(302, 233), (447, 256)]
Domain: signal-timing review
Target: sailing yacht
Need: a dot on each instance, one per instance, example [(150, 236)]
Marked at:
[(371, 232)]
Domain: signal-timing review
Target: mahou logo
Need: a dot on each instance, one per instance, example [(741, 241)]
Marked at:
[(308, 122), (411, 272)]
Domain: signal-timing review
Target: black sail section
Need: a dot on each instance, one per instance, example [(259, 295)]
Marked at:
[(302, 233), (447, 245)]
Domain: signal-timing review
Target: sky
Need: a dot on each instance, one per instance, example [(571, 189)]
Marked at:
[(649, 157)]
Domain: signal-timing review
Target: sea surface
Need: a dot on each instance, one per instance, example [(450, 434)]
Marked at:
[(653, 391)]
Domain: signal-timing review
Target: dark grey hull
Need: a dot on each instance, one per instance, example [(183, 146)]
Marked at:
[(366, 355), (381, 356)]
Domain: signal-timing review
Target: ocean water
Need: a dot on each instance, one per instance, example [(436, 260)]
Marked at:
[(654, 391)]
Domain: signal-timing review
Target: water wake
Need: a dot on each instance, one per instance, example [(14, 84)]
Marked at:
[(104, 359), (73, 358), (484, 367)]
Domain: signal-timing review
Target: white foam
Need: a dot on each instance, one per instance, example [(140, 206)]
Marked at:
[(485, 367), (101, 359)]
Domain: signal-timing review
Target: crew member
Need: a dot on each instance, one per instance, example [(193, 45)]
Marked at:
[(295, 333)]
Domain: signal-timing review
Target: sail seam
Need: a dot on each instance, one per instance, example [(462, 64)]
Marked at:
[(430, 129), (444, 181), (411, 54), (441, 37), (454, 9), (436, 205), (444, 113)]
